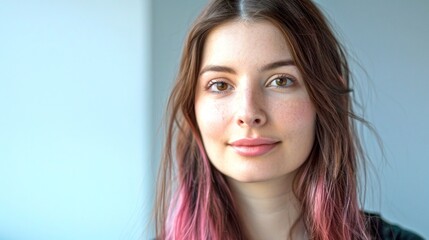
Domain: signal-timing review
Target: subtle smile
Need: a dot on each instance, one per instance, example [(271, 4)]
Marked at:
[(253, 147)]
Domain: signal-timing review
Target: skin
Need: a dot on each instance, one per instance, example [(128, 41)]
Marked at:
[(240, 96)]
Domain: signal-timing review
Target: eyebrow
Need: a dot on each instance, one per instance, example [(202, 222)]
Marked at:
[(277, 64), (270, 66)]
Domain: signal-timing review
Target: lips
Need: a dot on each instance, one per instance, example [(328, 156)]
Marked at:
[(253, 147)]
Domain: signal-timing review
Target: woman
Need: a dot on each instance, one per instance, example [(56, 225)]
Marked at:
[(261, 141)]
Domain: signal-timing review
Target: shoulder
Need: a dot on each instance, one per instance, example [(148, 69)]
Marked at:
[(382, 230)]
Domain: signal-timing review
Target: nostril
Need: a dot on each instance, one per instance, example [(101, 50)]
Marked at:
[(253, 120)]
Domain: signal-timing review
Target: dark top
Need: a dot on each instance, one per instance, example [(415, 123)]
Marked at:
[(382, 230)]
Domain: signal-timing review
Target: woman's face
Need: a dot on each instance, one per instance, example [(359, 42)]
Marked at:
[(253, 111)]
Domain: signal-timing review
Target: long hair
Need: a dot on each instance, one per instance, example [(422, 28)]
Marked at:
[(193, 199)]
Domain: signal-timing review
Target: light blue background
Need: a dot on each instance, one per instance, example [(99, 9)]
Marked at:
[(83, 85), (74, 119)]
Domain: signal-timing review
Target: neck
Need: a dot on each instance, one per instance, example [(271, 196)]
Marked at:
[(268, 209)]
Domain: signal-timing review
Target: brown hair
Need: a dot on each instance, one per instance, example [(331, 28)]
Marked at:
[(200, 206)]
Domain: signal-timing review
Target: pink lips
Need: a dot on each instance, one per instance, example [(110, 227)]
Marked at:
[(253, 147)]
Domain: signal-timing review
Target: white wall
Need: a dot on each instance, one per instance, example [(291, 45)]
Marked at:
[(74, 77)]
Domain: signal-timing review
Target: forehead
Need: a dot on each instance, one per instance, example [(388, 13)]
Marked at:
[(252, 42)]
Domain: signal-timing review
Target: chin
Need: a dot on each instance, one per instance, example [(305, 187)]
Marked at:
[(252, 178)]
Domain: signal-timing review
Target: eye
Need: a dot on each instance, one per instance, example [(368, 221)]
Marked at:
[(218, 86), (282, 81)]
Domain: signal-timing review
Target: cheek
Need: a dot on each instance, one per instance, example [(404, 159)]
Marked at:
[(297, 115), (211, 118)]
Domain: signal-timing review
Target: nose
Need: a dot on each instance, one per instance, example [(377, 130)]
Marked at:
[(250, 109)]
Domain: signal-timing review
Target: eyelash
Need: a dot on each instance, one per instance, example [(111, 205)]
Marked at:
[(283, 77), (213, 83)]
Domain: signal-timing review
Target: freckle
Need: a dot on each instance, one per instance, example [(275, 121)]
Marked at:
[(295, 111)]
